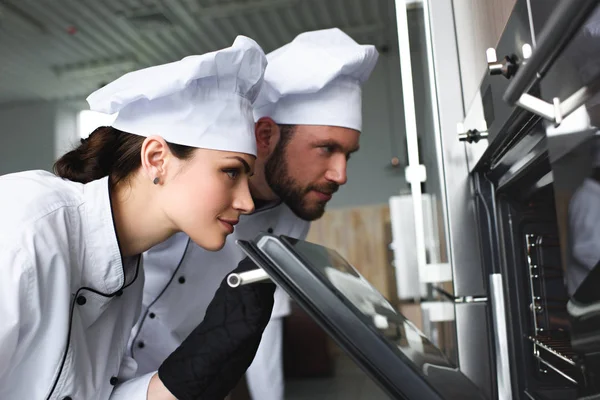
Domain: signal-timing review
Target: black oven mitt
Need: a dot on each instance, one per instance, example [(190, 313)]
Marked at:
[(214, 357)]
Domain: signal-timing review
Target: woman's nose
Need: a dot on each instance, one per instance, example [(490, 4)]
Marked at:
[(243, 200)]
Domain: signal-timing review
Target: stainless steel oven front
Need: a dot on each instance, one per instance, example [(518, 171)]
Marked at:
[(536, 179)]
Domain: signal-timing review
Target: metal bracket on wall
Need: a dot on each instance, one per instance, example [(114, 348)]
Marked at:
[(415, 174), (471, 299)]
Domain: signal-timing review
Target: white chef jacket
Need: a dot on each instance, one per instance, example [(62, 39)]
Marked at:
[(67, 302), (182, 278), (584, 233)]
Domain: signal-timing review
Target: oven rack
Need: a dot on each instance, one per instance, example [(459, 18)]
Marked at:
[(556, 354)]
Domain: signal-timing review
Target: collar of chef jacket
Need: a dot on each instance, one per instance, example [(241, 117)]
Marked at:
[(102, 267)]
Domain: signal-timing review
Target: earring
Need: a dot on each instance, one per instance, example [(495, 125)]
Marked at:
[(156, 180)]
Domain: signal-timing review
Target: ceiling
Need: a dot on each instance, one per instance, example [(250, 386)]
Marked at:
[(66, 49)]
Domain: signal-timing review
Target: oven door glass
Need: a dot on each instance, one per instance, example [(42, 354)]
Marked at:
[(574, 152), (574, 155), (395, 354)]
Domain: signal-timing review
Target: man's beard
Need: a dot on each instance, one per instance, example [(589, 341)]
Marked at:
[(292, 193)]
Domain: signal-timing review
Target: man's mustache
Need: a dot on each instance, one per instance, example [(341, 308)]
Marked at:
[(327, 188)]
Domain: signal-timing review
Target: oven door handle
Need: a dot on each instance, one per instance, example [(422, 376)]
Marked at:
[(500, 337), (562, 25)]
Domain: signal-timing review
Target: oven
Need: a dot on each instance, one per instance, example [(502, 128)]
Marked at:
[(534, 158), (518, 191)]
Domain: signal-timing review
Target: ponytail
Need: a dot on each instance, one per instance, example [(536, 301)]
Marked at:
[(107, 152)]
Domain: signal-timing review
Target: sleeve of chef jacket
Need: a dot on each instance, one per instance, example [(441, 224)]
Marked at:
[(15, 303)]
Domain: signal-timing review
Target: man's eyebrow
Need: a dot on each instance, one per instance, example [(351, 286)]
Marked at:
[(240, 159), (335, 145)]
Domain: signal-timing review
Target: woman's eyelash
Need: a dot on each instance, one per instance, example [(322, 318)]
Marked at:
[(232, 172)]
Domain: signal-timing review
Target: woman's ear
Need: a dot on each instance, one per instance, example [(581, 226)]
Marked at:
[(267, 136), (155, 154)]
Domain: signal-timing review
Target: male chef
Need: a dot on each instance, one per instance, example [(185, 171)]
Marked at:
[(308, 123)]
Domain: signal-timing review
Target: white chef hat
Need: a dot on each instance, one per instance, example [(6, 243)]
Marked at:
[(316, 80), (200, 101)]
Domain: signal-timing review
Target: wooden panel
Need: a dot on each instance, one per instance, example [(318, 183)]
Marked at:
[(361, 235), (479, 25)]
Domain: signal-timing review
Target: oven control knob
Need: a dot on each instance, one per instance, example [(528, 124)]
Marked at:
[(471, 135), (507, 68)]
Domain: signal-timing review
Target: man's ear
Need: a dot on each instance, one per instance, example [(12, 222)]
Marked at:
[(267, 136)]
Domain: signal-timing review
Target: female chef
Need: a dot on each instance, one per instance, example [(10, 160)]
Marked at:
[(177, 158)]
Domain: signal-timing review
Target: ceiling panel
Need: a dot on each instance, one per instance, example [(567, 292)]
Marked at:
[(65, 49)]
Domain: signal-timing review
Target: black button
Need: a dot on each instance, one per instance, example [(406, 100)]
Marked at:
[(141, 345), (181, 279), (152, 315), (119, 293), (81, 300), (270, 230), (114, 380), (67, 398)]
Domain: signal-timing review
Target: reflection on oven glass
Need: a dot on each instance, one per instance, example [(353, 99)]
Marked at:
[(567, 333), (584, 221), (371, 305), (577, 184), (584, 50)]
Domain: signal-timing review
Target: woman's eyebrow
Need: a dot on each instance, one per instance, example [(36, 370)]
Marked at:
[(240, 159)]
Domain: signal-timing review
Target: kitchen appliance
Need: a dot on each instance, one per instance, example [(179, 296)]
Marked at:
[(386, 345), (531, 177)]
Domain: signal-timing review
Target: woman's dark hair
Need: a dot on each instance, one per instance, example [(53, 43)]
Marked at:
[(108, 152)]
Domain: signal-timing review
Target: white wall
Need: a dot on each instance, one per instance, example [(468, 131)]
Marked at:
[(32, 135), (26, 137), (66, 134)]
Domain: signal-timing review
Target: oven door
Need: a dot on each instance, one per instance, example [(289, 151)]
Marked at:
[(541, 170), (388, 347), (574, 154), (567, 62)]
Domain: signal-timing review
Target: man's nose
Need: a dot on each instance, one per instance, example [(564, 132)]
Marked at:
[(337, 171)]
